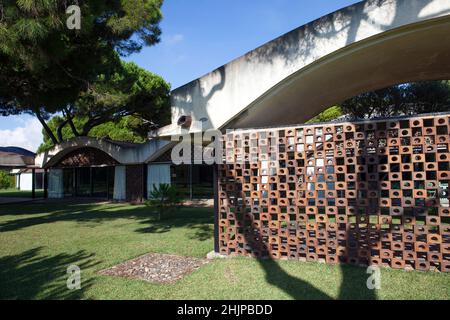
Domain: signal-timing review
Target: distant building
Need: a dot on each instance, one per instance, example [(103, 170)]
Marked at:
[(15, 157), (21, 163), (24, 179)]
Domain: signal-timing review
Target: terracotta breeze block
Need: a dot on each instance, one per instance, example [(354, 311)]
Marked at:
[(373, 192)]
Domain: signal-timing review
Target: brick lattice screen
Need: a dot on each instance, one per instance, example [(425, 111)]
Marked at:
[(367, 193), (86, 157)]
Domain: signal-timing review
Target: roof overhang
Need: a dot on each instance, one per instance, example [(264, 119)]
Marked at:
[(369, 45)]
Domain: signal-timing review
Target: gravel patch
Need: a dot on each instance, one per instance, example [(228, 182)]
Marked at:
[(156, 267)]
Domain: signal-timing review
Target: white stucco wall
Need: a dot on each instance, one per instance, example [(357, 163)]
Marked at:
[(25, 181), (216, 98)]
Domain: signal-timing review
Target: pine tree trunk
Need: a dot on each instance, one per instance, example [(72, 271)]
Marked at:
[(46, 128)]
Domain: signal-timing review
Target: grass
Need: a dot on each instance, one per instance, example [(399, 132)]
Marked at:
[(39, 242), (14, 193)]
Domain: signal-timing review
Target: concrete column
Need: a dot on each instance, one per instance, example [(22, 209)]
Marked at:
[(55, 184), (119, 183), (45, 184), (33, 183)]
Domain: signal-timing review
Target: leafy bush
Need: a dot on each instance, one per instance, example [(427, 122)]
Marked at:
[(327, 115), (6, 180), (164, 198)]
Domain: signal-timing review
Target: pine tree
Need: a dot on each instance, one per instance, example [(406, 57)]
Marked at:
[(44, 65)]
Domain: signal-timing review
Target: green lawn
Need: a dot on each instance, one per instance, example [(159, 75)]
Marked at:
[(14, 193), (39, 242)]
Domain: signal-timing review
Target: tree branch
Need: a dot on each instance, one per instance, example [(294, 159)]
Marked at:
[(70, 120), (59, 130), (91, 123), (46, 127)]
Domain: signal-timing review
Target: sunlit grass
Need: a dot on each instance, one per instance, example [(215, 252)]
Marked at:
[(39, 242)]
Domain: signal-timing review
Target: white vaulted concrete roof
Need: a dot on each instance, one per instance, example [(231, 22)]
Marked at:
[(366, 46), (122, 152)]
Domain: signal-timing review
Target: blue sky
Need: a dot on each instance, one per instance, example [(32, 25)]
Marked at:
[(199, 36)]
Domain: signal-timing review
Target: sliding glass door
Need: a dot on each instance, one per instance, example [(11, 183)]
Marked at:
[(97, 182)]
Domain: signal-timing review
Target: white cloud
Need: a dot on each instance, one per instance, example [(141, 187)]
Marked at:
[(174, 39), (28, 136)]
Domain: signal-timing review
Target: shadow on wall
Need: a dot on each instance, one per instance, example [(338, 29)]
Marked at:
[(187, 103), (359, 14), (375, 209), (354, 277), (301, 42), (30, 275), (303, 46)]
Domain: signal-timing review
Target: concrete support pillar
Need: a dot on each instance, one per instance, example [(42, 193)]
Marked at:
[(119, 193), (55, 184), (33, 183), (45, 184)]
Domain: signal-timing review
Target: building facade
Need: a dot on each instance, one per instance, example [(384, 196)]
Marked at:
[(118, 171), (361, 193)]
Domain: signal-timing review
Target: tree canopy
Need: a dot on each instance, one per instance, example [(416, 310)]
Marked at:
[(327, 115), (131, 91), (45, 66), (6, 180), (405, 99), (122, 107), (128, 128)]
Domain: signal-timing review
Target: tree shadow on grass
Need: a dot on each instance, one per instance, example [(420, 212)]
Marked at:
[(354, 278), (199, 220), (354, 284), (91, 213), (203, 232), (30, 275), (295, 287)]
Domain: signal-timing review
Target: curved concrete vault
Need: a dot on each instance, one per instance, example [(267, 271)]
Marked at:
[(367, 46), (122, 152)]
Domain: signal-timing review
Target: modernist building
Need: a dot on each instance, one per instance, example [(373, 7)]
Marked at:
[(104, 169), (331, 214), (366, 46), (21, 163)]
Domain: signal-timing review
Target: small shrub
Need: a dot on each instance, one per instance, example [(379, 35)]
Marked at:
[(164, 198), (6, 180)]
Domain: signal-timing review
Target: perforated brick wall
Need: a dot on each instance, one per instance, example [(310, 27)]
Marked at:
[(367, 193)]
